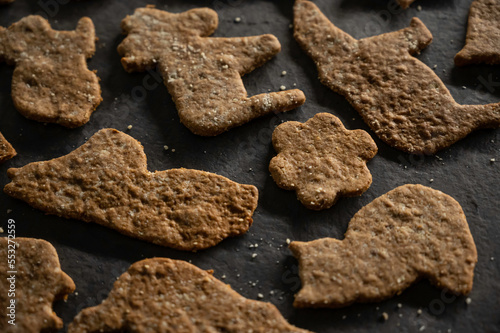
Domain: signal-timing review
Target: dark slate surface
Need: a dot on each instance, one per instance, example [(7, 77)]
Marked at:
[(95, 256)]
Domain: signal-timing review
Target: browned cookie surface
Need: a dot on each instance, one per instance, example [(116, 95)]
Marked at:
[(38, 281), (106, 181), (203, 74), (399, 97), (409, 233), (51, 81), (405, 3), (321, 160), (482, 44), (164, 295), (6, 149)]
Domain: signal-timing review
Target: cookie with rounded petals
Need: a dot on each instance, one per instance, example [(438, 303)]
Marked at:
[(51, 81), (402, 100), (30, 267), (173, 296), (482, 44), (6, 149), (409, 233), (203, 74), (321, 160), (106, 181)]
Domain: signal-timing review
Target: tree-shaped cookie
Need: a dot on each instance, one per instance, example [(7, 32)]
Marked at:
[(321, 160), (482, 44), (172, 296), (106, 181), (399, 97), (203, 74), (409, 233), (31, 276), (51, 81), (6, 149)]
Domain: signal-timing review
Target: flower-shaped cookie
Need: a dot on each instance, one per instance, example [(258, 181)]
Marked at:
[(321, 160)]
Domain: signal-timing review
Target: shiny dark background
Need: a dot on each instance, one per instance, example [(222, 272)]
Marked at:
[(95, 256)]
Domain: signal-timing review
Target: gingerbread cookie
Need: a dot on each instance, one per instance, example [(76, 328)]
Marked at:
[(164, 295), (321, 160), (482, 44), (405, 3), (31, 280), (51, 81), (203, 74), (106, 181), (412, 232), (6, 149), (399, 97)]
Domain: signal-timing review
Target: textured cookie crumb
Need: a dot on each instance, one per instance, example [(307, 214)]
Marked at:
[(385, 316), (237, 19), (468, 300)]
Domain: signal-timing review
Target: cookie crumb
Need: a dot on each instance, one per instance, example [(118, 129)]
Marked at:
[(464, 87), (173, 150), (283, 88), (435, 66), (223, 276), (254, 255), (237, 19), (385, 316), (129, 127), (9, 211), (400, 305), (288, 241), (468, 300), (260, 296), (492, 258), (421, 329), (419, 312), (431, 180), (492, 160), (283, 73), (419, 8), (165, 147), (1, 230)]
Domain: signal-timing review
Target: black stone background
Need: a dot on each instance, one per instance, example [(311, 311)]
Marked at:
[(95, 256)]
